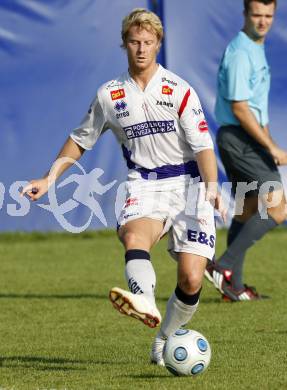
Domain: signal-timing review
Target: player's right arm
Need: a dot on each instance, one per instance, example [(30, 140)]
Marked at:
[(69, 153), (82, 138), (248, 121)]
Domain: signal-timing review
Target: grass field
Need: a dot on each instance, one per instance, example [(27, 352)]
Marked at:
[(59, 331)]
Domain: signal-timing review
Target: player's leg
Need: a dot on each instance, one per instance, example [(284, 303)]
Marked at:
[(183, 302), (277, 211), (249, 209), (253, 230), (245, 161), (191, 243), (231, 143), (138, 236)]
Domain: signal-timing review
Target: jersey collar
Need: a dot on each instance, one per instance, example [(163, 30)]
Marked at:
[(154, 80)]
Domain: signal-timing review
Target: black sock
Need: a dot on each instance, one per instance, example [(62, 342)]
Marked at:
[(237, 270), (233, 231), (253, 230)]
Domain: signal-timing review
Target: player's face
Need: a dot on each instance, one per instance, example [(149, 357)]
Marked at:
[(258, 20), (142, 48)]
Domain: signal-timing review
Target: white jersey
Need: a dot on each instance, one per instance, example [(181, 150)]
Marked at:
[(160, 129)]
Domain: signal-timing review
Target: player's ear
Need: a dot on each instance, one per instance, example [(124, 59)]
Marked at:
[(124, 45)]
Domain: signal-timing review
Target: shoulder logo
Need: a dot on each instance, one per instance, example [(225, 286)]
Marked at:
[(118, 94), (165, 80), (202, 126), (166, 90)]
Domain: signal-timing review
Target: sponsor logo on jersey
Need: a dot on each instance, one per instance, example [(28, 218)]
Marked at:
[(122, 114), (163, 103), (201, 237), (166, 90), (120, 108), (114, 84), (118, 94), (149, 128), (131, 202), (126, 216), (202, 126), (165, 80), (197, 112)]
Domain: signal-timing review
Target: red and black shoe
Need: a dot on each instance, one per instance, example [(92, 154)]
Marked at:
[(217, 275), (221, 278), (248, 293), (209, 270)]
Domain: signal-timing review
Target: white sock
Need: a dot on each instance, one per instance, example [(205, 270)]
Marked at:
[(177, 314), (141, 277)]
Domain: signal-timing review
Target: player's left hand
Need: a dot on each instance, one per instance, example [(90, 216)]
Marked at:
[(283, 161), (219, 206), (215, 198)]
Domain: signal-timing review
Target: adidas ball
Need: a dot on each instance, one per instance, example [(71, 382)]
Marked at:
[(186, 352)]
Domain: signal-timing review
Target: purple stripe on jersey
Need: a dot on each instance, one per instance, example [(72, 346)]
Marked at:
[(165, 171), (127, 155)]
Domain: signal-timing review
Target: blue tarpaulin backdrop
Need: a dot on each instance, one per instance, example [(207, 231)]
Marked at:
[(55, 54)]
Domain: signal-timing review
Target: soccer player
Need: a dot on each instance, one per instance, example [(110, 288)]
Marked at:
[(158, 120), (246, 148)]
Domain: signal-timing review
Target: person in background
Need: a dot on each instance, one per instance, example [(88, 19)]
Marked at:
[(248, 152)]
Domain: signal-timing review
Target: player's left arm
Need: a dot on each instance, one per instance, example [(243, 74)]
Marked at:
[(193, 122), (207, 165)]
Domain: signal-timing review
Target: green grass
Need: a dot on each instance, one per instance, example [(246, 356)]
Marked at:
[(59, 331)]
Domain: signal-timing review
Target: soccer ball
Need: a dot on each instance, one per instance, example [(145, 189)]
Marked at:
[(186, 352)]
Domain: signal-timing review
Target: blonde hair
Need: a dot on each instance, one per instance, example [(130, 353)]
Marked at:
[(144, 19)]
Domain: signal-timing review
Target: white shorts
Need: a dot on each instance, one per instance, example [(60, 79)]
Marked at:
[(180, 204)]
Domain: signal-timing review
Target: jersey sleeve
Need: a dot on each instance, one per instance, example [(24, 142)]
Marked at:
[(91, 127), (237, 77), (193, 122)]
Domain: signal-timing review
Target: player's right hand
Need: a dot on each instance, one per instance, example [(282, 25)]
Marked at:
[(279, 155), (36, 188), (283, 159)]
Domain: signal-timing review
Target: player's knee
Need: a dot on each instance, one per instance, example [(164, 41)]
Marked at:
[(128, 238), (190, 283), (279, 218), (133, 240), (190, 298), (279, 214)]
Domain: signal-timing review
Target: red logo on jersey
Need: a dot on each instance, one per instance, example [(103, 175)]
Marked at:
[(118, 94), (131, 202), (166, 90), (202, 126)]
